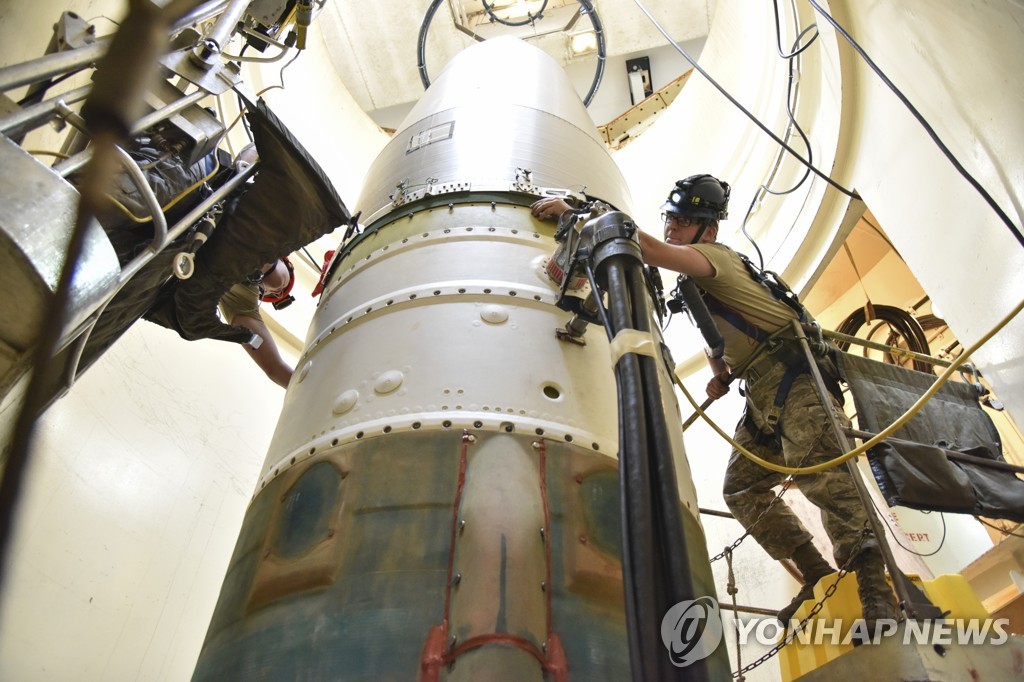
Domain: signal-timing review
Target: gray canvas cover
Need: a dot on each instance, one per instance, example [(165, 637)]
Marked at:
[(919, 473)]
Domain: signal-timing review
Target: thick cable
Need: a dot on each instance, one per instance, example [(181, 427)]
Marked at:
[(882, 435), (733, 100), (924, 124), (901, 322), (588, 9), (602, 49), (650, 494), (530, 18), (675, 573), (657, 425), (637, 525), (421, 43)]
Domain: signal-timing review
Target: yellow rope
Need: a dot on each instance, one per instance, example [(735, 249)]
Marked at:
[(44, 152), (885, 433)]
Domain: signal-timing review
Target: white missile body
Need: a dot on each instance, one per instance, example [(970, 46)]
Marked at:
[(440, 497)]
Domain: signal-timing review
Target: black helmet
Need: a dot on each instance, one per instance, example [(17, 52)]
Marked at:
[(699, 196)]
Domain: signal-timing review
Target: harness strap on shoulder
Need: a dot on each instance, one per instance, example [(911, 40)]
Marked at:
[(778, 289), (735, 319)]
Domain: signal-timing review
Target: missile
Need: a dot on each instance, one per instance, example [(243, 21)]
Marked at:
[(441, 496)]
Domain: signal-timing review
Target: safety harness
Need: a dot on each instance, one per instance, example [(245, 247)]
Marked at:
[(795, 361)]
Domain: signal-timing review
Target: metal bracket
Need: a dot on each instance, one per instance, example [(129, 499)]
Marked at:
[(216, 80), (568, 336), (70, 33), (446, 187), (401, 194), (524, 181)]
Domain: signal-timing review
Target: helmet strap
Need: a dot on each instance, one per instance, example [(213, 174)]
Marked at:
[(700, 233)]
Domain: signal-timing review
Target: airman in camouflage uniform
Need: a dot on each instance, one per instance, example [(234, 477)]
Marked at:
[(805, 437), (795, 433)]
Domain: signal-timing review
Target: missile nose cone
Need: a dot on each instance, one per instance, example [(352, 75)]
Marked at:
[(500, 73), (502, 117)]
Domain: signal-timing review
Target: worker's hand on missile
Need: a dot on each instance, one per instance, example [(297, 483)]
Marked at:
[(549, 208), (718, 386)]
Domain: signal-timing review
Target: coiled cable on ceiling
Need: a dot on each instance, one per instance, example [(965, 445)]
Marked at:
[(530, 17), (902, 324), (586, 8)]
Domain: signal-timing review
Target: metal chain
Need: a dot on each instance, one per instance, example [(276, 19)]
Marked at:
[(843, 572), (785, 486)]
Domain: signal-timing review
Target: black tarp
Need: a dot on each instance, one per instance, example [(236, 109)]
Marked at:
[(918, 472)]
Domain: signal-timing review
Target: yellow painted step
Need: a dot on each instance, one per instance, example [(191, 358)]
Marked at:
[(949, 593)]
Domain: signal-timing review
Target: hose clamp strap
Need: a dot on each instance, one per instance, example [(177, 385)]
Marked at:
[(632, 341)]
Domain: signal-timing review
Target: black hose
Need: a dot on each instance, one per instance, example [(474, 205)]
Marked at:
[(656, 567), (701, 316), (675, 580), (602, 50), (660, 444), (638, 547), (421, 49), (655, 564)]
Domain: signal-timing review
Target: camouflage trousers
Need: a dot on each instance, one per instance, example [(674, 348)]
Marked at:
[(806, 438)]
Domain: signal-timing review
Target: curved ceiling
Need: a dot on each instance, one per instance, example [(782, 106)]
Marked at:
[(373, 45)]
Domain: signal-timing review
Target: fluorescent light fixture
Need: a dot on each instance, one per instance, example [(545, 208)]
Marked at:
[(519, 9), (582, 42)]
